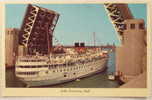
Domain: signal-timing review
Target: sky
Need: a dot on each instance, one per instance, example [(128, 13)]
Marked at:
[(77, 22)]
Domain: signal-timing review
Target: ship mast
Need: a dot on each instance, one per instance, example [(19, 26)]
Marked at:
[(94, 40)]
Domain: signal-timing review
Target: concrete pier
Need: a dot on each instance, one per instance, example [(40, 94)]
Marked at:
[(137, 82)]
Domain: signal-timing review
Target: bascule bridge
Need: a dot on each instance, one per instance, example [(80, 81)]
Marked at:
[(39, 23), (131, 55), (37, 30)]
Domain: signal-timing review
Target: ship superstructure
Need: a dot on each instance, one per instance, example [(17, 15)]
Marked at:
[(40, 70)]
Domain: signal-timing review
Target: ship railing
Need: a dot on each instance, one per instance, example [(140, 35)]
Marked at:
[(26, 73), (32, 60)]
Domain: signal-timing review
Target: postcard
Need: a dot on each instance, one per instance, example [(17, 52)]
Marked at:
[(75, 49)]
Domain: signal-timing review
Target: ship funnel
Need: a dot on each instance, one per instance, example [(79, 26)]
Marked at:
[(76, 44), (80, 47), (82, 44)]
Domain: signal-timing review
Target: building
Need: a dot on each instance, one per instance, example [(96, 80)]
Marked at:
[(131, 55), (11, 46)]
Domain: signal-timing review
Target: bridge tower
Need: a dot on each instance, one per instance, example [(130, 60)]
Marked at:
[(131, 55)]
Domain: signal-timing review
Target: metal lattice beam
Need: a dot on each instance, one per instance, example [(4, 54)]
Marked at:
[(37, 30), (117, 14), (28, 24)]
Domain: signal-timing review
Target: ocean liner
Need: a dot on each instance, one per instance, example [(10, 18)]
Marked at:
[(58, 68), (43, 64)]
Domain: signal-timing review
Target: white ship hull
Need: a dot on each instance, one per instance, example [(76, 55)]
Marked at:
[(58, 75)]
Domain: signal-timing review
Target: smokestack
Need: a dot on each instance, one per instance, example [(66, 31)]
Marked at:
[(82, 44), (76, 44)]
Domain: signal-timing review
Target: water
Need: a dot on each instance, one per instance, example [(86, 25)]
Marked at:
[(96, 81)]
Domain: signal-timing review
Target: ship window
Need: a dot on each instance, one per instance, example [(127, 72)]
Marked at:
[(29, 66), (46, 66), (50, 67), (20, 66), (141, 26), (132, 26), (27, 73)]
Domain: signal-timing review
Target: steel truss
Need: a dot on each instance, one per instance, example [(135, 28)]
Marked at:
[(116, 13), (37, 30)]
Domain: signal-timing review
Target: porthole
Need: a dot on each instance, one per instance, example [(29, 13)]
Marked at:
[(65, 75)]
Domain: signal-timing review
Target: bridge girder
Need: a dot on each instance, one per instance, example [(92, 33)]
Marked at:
[(37, 29), (117, 14)]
